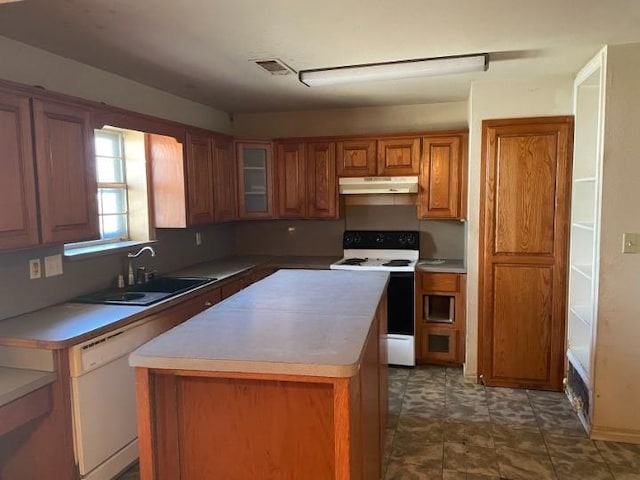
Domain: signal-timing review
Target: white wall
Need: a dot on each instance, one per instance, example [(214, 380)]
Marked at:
[(617, 366), (491, 100), (32, 66), (353, 121)]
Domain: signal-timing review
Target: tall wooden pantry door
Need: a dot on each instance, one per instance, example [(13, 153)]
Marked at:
[(524, 218)]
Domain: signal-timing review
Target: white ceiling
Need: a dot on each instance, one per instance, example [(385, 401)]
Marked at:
[(200, 49)]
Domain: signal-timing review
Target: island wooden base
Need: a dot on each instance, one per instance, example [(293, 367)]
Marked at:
[(196, 425)]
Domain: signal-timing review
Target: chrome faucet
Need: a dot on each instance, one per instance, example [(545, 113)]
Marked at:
[(131, 277), (143, 249)]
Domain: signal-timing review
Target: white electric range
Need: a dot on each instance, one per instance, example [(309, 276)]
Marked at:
[(396, 252)]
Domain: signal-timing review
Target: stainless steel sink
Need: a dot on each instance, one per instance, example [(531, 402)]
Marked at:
[(160, 288)]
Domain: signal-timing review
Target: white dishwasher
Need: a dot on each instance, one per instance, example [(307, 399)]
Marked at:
[(104, 400)]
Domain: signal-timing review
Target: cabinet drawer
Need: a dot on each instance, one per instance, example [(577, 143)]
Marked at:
[(439, 282)]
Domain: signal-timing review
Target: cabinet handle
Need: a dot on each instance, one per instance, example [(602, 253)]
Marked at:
[(208, 303)]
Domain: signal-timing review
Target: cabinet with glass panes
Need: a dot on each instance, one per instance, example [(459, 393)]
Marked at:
[(255, 179)]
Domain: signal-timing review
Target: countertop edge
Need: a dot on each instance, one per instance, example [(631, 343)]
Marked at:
[(243, 367)]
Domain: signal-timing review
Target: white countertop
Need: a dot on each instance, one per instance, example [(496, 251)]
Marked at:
[(16, 382), (441, 265), (298, 322), (64, 322)]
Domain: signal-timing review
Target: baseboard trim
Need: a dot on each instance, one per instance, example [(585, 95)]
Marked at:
[(615, 435)]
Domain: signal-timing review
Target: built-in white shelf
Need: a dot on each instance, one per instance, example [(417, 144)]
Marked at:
[(585, 180), (577, 364), (584, 270), (583, 312), (584, 225)]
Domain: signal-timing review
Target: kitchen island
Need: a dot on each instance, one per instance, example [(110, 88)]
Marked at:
[(286, 379)]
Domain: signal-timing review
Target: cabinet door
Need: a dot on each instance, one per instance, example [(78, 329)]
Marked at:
[(441, 177), (18, 220), (66, 172), (168, 179), (224, 180), (356, 158), (322, 191), (291, 175), (524, 217), (399, 156), (200, 179), (255, 180)]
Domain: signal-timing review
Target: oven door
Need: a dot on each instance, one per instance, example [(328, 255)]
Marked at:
[(400, 304), (400, 319)]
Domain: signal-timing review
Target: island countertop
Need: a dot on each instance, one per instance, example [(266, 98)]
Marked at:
[(298, 322)]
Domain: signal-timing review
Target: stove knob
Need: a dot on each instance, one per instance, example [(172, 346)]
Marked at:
[(411, 239), (380, 238), (357, 238), (348, 240)]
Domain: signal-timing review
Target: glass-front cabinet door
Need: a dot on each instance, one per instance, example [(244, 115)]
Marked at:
[(255, 179)]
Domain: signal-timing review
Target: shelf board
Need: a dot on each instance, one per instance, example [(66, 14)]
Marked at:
[(573, 358), (584, 270), (583, 312), (585, 180), (255, 193), (254, 168), (584, 225)]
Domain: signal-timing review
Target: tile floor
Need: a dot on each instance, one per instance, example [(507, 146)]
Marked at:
[(443, 427)]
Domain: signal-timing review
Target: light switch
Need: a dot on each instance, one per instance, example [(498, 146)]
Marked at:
[(630, 242), (53, 265)]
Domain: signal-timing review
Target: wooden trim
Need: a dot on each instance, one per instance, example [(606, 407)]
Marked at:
[(342, 428), (277, 377), (146, 431), (376, 136)]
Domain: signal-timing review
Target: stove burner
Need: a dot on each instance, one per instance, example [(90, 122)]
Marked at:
[(397, 263), (353, 261)]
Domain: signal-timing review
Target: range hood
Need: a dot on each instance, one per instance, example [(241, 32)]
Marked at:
[(376, 185)]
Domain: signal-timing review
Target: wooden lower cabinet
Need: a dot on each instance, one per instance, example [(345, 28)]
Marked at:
[(440, 318), (42, 446), (206, 424)]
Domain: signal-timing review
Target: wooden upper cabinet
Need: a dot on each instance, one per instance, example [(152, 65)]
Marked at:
[(356, 157), (399, 156), (291, 179), (182, 179), (224, 189), (66, 172), (168, 180), (442, 181), (322, 189), (18, 215), (255, 179), (199, 169)]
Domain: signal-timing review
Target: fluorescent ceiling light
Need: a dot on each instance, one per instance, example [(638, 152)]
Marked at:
[(371, 72)]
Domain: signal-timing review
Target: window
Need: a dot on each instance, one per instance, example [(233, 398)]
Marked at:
[(123, 199), (112, 185)]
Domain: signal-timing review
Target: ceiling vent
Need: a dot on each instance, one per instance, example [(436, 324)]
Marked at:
[(274, 66)]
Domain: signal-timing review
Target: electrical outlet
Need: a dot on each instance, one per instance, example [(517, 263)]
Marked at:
[(630, 242), (53, 265), (34, 269), (198, 238)]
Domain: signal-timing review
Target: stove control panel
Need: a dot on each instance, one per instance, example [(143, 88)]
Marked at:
[(381, 239)]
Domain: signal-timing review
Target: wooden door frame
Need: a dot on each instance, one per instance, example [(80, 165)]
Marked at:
[(482, 260)]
